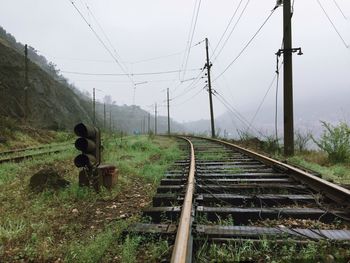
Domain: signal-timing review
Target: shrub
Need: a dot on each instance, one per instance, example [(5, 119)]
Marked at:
[(335, 140), (301, 140)]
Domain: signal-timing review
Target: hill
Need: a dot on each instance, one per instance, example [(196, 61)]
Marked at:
[(54, 103)]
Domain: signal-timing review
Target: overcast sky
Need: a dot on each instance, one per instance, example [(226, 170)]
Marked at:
[(141, 30)]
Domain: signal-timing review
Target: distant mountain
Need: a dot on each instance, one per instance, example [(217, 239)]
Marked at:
[(307, 117)]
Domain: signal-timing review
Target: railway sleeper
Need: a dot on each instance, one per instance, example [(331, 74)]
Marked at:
[(258, 233), (246, 215), (256, 200)]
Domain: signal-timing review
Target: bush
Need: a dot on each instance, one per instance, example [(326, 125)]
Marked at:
[(301, 140), (335, 140)]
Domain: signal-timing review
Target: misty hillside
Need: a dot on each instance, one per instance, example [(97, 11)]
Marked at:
[(50, 102), (53, 102)]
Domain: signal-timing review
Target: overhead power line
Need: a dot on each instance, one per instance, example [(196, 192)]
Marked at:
[(232, 30), (100, 40), (333, 25), (125, 74), (104, 33), (227, 27), (191, 35), (247, 45), (340, 10)]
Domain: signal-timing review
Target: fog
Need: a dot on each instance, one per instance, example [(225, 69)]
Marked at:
[(144, 30)]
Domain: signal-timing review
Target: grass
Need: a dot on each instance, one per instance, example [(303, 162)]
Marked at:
[(318, 162), (76, 224), (210, 156), (270, 251)]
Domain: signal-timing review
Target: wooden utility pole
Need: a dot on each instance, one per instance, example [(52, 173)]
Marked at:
[(149, 123), (208, 65), (110, 119), (288, 79), (155, 119), (168, 111), (104, 115), (26, 83), (93, 106)]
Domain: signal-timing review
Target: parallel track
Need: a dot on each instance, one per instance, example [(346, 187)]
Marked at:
[(19, 155), (224, 193)]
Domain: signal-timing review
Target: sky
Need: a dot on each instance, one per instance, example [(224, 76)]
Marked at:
[(153, 37)]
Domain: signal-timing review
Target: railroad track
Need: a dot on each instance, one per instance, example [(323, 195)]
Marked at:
[(224, 194), (19, 155)]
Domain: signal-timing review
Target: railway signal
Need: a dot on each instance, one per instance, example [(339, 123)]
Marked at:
[(89, 143)]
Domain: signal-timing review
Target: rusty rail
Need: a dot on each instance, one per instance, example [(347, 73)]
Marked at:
[(183, 237), (331, 190)]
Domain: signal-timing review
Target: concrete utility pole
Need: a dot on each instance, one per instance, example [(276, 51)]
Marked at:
[(155, 119), (208, 65), (168, 111), (26, 84), (288, 79), (93, 106)]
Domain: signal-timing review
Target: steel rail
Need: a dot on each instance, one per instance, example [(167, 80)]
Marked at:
[(34, 148), (181, 248), (17, 159), (335, 192)]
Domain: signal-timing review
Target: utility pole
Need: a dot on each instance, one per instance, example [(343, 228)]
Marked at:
[(155, 119), (208, 65), (104, 115), (144, 124), (26, 84), (93, 107), (288, 79), (168, 111), (110, 119), (149, 123)]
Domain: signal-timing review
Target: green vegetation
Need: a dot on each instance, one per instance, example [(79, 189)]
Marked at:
[(270, 251), (210, 156), (76, 224), (315, 161), (335, 140)]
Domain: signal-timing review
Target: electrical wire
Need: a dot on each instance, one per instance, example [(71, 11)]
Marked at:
[(240, 117), (340, 10), (189, 99), (100, 40), (104, 33), (192, 35), (247, 45), (232, 30), (228, 107), (333, 25), (125, 74), (227, 27)]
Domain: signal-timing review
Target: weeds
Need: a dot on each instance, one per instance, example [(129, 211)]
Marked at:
[(129, 250), (335, 140)]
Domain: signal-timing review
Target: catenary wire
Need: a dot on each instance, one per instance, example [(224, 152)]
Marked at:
[(191, 39), (125, 74), (333, 25), (232, 30), (227, 27), (100, 39), (247, 44)]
